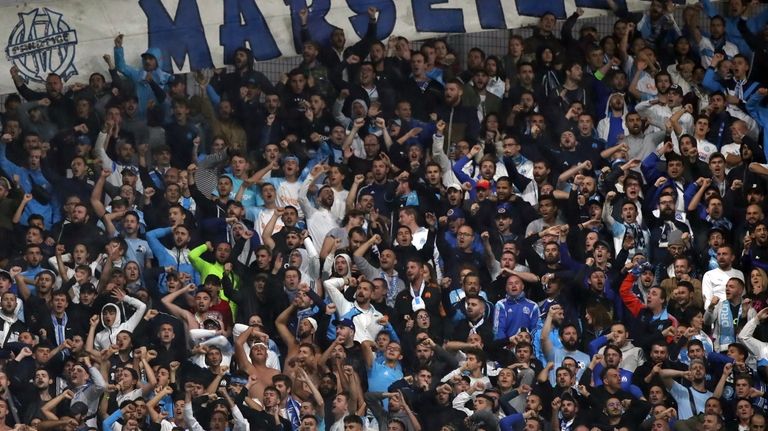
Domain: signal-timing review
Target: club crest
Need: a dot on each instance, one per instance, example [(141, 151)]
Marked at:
[(42, 43)]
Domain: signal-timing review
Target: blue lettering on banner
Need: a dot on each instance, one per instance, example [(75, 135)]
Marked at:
[(491, 14), (318, 28), (437, 20), (538, 8), (599, 4), (386, 18), (179, 36), (603, 4), (253, 29)]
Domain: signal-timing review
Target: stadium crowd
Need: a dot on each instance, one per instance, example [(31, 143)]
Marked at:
[(569, 236)]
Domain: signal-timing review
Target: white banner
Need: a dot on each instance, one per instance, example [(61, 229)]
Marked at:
[(70, 37)]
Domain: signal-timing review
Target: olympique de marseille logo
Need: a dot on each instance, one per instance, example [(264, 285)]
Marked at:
[(42, 43)]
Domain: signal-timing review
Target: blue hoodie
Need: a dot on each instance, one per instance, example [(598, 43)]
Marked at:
[(138, 76)]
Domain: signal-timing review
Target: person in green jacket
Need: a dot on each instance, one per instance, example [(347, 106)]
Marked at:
[(221, 254)]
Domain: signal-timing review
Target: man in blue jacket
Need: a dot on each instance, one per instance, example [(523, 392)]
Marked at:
[(515, 311)]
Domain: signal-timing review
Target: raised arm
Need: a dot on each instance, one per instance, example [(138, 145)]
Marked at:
[(240, 354), (352, 195), (546, 343), (269, 229), (175, 309), (20, 210), (281, 324)]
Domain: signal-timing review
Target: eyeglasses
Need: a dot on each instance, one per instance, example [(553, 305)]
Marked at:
[(463, 234)]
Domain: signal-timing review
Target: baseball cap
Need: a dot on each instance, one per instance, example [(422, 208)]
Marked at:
[(604, 243), (211, 321), (647, 266), (675, 237), (78, 408), (676, 88), (88, 288), (312, 321), (455, 214), (48, 271), (455, 186), (290, 157), (128, 171), (483, 184), (177, 79), (756, 188), (504, 210), (251, 80), (344, 322), (118, 201), (82, 140)]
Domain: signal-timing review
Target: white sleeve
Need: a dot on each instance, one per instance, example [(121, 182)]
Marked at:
[(758, 348), (199, 334), (189, 418), (238, 329), (304, 202), (219, 341), (240, 423), (706, 289), (141, 307), (332, 288)]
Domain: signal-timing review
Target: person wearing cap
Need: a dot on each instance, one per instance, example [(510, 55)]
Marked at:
[(657, 113), (368, 321), (298, 342), (650, 316), (502, 234)]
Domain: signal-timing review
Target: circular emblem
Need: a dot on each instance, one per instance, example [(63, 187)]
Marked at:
[(42, 43)]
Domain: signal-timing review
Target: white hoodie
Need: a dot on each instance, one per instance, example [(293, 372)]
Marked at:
[(604, 125), (108, 336)]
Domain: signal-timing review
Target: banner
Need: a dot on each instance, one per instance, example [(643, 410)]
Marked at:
[(70, 37)]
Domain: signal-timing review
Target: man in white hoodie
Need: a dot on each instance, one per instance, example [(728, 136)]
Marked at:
[(612, 127), (111, 318), (10, 325)]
